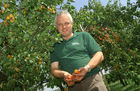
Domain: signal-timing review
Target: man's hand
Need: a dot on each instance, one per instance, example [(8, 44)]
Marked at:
[(69, 79), (79, 75)]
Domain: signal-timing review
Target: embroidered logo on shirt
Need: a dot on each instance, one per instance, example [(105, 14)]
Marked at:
[(75, 43)]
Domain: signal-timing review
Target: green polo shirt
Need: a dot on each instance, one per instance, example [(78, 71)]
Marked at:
[(75, 52)]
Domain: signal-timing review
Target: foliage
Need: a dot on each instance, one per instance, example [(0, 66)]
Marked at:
[(117, 85), (27, 35)]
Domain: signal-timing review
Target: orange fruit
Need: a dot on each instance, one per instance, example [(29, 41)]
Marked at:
[(11, 21), (76, 71), (2, 11), (71, 77), (70, 83), (8, 17), (5, 5), (10, 56), (11, 15), (13, 18), (51, 10), (24, 12), (43, 7), (39, 62)]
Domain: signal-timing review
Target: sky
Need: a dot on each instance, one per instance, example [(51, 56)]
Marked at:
[(80, 3)]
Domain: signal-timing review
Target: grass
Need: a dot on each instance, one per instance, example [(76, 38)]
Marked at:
[(116, 86)]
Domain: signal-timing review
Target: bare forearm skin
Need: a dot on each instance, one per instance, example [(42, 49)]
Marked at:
[(96, 60)]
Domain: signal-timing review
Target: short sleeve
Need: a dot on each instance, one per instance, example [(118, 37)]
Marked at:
[(91, 45), (53, 57)]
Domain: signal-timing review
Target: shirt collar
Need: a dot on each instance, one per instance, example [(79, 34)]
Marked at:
[(74, 35)]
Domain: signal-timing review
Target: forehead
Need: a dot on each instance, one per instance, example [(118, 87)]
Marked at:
[(62, 18)]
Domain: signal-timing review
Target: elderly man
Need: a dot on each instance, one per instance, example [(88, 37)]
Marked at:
[(77, 50)]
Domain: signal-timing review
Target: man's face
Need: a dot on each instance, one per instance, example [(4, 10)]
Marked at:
[(64, 25)]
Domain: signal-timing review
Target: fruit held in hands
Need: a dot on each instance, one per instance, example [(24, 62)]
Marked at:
[(70, 81), (71, 77), (76, 71)]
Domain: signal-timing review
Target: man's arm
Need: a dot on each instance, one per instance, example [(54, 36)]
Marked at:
[(55, 71), (95, 60), (61, 74)]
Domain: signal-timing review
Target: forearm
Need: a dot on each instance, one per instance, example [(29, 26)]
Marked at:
[(58, 73), (55, 71), (96, 60)]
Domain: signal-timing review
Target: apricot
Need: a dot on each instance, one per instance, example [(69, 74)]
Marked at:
[(2, 11), (71, 77), (5, 5), (71, 82), (76, 71)]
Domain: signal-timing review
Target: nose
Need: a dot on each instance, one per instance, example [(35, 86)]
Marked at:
[(63, 26)]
